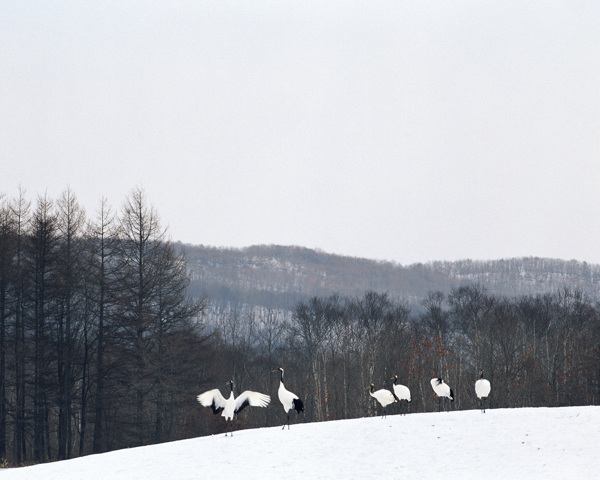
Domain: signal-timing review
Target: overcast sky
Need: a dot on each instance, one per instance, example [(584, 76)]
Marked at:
[(400, 130)]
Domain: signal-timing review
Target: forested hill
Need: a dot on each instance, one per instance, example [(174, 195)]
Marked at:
[(270, 276)]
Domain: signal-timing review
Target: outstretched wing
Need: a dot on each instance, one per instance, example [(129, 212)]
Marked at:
[(212, 399), (254, 399)]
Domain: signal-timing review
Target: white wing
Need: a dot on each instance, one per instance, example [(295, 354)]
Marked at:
[(441, 389), (254, 399), (385, 397), (402, 392), (285, 396), (482, 387), (213, 399)]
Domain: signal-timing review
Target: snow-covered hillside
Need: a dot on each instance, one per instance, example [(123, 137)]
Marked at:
[(272, 276), (527, 443)]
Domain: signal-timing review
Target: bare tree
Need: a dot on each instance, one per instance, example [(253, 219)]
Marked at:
[(102, 292), (20, 209), (42, 257), (69, 298), (7, 308), (153, 304)]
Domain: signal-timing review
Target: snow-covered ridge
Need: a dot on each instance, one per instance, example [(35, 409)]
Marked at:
[(277, 277)]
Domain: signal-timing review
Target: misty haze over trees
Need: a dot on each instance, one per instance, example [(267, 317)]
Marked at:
[(270, 276), (109, 330)]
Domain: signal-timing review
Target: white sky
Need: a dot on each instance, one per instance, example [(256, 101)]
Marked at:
[(402, 130)]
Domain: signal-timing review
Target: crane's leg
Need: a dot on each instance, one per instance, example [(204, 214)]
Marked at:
[(230, 428), (287, 422)]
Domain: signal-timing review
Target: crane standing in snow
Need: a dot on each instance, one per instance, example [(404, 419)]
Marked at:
[(229, 407), (482, 390), (288, 399), (402, 392), (383, 396), (441, 389)]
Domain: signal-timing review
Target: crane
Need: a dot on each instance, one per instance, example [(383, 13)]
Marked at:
[(402, 392), (229, 407), (383, 396), (442, 390), (482, 390), (288, 399)]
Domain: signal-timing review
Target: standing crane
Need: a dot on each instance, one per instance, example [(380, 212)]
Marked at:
[(402, 392), (442, 390), (288, 399), (383, 396), (482, 390), (229, 407)]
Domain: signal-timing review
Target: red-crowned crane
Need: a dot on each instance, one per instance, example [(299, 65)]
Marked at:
[(288, 399), (383, 396), (402, 392), (229, 407), (482, 390), (442, 390)]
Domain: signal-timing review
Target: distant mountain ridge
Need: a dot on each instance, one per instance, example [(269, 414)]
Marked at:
[(277, 277)]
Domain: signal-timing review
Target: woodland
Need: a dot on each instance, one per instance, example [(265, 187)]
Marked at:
[(104, 345)]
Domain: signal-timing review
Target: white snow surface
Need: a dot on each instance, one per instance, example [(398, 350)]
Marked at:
[(532, 443)]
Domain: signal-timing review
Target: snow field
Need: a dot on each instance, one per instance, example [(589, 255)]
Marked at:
[(532, 443)]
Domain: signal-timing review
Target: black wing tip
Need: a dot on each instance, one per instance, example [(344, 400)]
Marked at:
[(243, 405), (216, 409), (298, 405)]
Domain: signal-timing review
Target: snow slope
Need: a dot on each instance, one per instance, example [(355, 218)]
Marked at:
[(532, 443)]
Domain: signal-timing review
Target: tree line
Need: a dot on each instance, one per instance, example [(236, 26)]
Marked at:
[(97, 333), (102, 346), (537, 350)]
